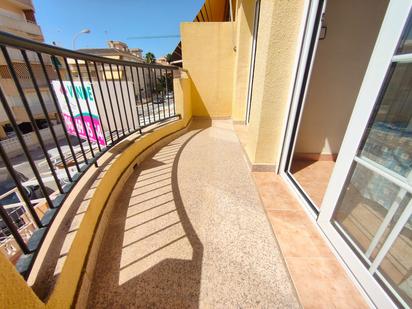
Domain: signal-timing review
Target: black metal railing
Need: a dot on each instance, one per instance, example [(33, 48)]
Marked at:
[(62, 110)]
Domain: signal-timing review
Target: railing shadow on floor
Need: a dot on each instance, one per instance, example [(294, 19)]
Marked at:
[(61, 243), (151, 254)]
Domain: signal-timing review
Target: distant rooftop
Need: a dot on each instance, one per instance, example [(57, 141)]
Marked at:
[(116, 48)]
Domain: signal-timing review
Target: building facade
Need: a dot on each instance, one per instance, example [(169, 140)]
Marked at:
[(18, 18)]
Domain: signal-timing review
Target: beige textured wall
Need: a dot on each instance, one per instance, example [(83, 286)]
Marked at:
[(338, 70), (278, 33), (244, 37), (208, 57)]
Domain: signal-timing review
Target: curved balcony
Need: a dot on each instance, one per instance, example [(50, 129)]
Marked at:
[(161, 210)]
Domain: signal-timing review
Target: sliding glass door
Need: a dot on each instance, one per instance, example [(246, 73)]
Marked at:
[(367, 209)]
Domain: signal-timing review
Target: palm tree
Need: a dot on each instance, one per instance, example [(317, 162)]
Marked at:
[(150, 57)]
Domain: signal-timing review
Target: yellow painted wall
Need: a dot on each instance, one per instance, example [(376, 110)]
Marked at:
[(244, 37), (278, 34), (208, 57), (15, 293)]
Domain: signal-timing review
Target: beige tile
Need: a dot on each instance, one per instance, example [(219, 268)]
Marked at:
[(274, 193), (319, 279), (322, 283), (296, 235)]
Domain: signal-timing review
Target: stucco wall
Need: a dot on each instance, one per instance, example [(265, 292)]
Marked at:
[(244, 36), (279, 25), (208, 57), (338, 70)]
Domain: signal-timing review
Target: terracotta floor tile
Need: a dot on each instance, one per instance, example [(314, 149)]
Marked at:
[(322, 283), (296, 235), (320, 280), (274, 193)]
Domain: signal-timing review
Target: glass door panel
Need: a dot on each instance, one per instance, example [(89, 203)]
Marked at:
[(396, 267), (375, 206), (368, 210)]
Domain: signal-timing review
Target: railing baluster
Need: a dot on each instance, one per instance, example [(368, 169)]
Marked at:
[(151, 93), (117, 99), (162, 93), (46, 115), (19, 135), (124, 103), (29, 113), (156, 94), (110, 100), (97, 105), (154, 87), (56, 106), (88, 108), (22, 190), (140, 97), (167, 95), (79, 107), (70, 112), (52, 71), (173, 94), (130, 100)]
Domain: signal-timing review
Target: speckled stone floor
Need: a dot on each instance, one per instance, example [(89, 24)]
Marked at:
[(190, 231)]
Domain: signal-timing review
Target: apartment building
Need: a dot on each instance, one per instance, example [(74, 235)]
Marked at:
[(18, 18), (282, 180)]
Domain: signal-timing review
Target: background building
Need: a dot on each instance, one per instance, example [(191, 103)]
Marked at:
[(18, 18)]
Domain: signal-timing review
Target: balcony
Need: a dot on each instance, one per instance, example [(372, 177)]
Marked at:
[(153, 204), (21, 26)]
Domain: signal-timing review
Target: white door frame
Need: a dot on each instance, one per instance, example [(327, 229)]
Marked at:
[(310, 31), (379, 64), (252, 61), (388, 38)]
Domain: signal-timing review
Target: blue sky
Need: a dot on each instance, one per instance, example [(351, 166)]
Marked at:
[(115, 20)]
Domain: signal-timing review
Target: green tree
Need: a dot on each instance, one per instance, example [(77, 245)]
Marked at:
[(150, 57), (168, 58)]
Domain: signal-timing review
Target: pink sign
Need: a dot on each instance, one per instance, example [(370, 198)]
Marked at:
[(83, 121)]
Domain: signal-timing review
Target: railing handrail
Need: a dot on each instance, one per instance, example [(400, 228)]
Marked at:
[(143, 95), (23, 43)]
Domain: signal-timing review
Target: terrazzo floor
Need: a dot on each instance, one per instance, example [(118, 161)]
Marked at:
[(190, 231)]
